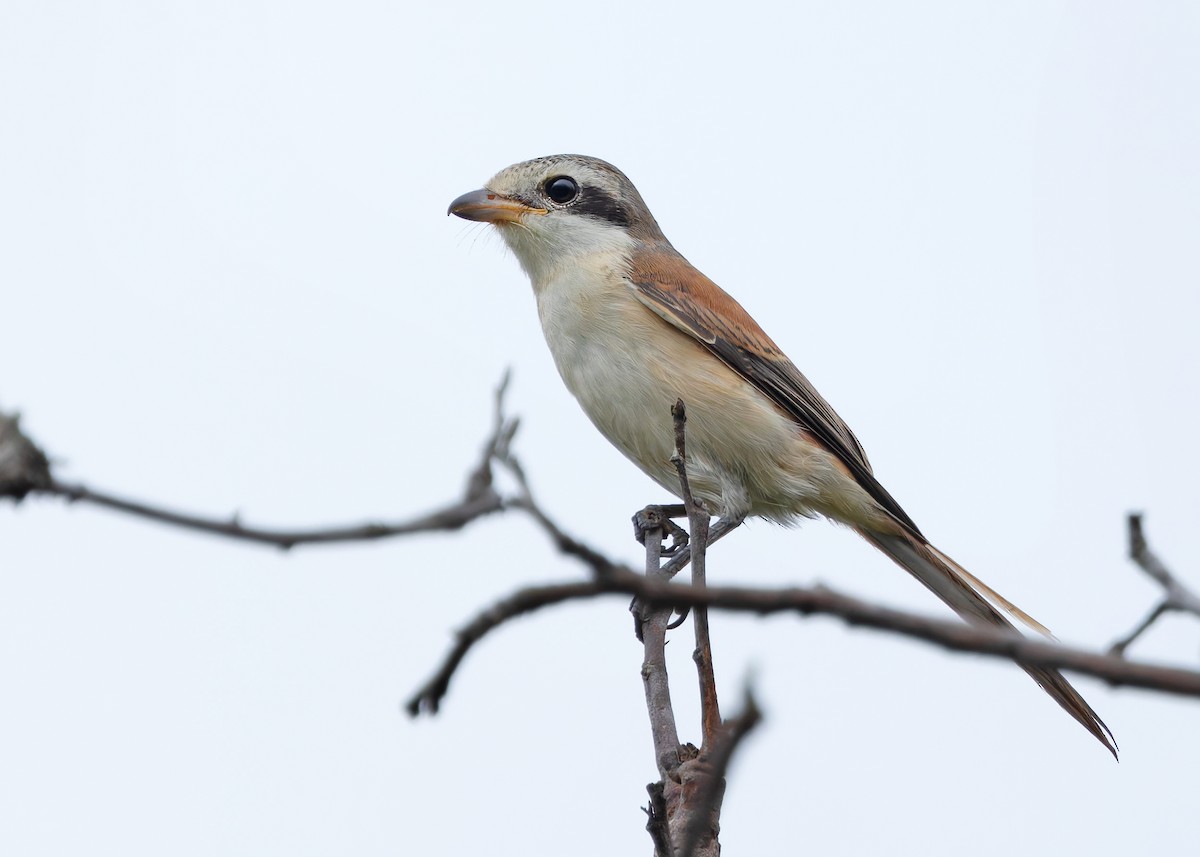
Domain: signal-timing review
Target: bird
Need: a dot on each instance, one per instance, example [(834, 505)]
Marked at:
[(633, 327)]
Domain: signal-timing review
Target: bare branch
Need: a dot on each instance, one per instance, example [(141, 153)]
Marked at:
[(24, 469), (526, 600), (952, 635), (451, 517), (704, 803), (656, 821), (567, 544), (1178, 598), (1118, 648), (652, 630), (710, 709)]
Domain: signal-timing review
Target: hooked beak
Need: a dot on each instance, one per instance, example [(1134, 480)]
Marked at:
[(489, 207)]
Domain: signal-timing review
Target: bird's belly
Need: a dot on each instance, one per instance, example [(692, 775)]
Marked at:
[(627, 368)]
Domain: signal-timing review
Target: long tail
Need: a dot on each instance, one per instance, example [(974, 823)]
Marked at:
[(971, 599)]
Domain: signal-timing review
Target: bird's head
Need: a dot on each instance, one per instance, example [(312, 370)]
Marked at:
[(558, 208)]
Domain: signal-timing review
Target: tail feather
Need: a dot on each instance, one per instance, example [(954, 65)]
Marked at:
[(992, 596), (979, 604)]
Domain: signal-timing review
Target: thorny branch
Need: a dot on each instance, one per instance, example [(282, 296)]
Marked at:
[(1177, 597)]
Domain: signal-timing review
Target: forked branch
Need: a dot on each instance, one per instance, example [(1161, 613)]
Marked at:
[(1176, 597)]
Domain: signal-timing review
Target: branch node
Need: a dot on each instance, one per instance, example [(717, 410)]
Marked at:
[(23, 465)]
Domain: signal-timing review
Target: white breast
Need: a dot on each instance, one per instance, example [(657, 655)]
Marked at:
[(627, 367)]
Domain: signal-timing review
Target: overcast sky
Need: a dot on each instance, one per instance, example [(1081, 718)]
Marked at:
[(227, 282)]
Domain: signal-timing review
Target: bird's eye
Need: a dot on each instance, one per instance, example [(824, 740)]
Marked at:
[(562, 189)]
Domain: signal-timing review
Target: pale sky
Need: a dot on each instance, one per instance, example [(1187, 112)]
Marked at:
[(229, 283)]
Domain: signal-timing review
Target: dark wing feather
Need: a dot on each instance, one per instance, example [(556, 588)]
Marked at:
[(669, 286)]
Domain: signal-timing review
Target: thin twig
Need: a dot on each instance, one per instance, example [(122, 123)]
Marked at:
[(451, 517), (501, 452), (428, 699), (1177, 597), (1118, 648), (710, 709), (567, 544), (479, 498)]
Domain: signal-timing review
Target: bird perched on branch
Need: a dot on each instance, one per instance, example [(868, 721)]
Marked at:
[(633, 327)]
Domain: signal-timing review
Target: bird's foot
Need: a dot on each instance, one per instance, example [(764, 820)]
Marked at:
[(654, 518)]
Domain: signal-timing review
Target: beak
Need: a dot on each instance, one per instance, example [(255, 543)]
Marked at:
[(491, 207)]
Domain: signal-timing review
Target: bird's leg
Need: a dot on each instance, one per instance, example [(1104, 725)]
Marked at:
[(681, 554)]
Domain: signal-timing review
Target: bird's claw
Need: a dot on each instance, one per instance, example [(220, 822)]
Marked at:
[(654, 518), (681, 614)]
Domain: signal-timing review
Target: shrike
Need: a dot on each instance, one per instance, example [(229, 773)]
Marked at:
[(633, 327)]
